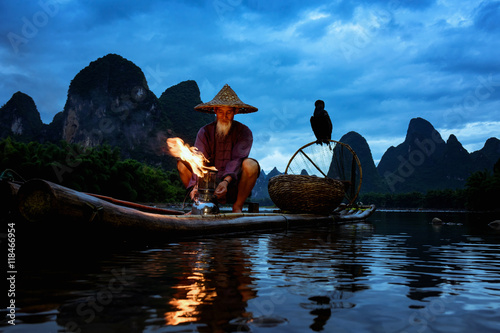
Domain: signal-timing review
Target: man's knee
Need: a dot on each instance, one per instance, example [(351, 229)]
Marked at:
[(251, 167)]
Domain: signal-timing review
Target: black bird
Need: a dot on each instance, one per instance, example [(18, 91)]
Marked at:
[(321, 123)]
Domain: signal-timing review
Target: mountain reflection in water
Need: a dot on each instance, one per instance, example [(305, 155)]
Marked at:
[(396, 272)]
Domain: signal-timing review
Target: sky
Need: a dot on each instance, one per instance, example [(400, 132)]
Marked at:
[(376, 64)]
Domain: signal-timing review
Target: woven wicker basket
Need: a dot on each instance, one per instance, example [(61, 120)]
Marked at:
[(306, 194)]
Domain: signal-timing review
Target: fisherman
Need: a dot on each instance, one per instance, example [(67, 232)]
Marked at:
[(226, 143)]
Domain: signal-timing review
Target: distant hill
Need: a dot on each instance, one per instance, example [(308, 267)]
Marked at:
[(424, 161), (371, 182), (20, 119), (109, 102), (177, 104), (260, 191)]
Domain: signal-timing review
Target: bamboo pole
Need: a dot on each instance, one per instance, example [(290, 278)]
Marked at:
[(41, 201)]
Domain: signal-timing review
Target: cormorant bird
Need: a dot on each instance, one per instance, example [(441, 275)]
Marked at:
[(321, 123)]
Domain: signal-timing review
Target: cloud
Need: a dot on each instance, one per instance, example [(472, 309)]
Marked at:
[(376, 64), (279, 148), (488, 16)]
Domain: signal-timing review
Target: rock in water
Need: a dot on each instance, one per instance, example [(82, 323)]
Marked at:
[(437, 220), (494, 225)]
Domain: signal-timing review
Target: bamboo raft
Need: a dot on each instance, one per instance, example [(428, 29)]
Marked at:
[(41, 202)]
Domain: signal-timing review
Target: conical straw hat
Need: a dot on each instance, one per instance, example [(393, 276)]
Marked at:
[(225, 97)]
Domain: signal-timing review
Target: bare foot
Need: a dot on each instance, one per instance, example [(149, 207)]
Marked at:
[(237, 209)]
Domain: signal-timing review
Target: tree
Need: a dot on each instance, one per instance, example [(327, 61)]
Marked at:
[(98, 170), (483, 190)]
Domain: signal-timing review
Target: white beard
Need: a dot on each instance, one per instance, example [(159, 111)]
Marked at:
[(221, 129)]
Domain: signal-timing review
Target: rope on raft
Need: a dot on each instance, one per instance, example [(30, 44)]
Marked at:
[(137, 206)]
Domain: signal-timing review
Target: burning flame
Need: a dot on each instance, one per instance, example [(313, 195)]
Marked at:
[(191, 155)]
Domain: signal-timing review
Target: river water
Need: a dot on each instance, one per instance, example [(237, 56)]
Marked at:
[(395, 272)]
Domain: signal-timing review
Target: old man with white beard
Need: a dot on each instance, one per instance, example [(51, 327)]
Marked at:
[(226, 144)]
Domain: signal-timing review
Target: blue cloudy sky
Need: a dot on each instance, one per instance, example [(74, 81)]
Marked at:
[(376, 64)]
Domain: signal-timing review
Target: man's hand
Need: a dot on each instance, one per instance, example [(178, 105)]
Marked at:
[(194, 193), (221, 190)]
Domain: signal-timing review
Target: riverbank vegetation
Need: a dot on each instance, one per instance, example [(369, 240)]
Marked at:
[(98, 170)]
